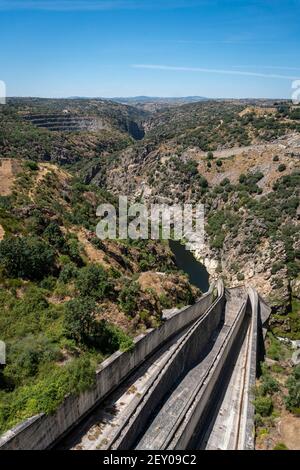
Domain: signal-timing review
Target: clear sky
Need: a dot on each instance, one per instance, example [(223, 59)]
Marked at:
[(212, 48)]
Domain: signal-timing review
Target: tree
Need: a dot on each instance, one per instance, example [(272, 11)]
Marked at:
[(93, 281), (33, 166), (281, 167), (263, 406), (203, 183), (79, 321), (55, 236), (128, 298), (293, 385), (81, 325), (28, 258)]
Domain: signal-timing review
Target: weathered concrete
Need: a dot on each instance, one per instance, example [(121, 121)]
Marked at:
[(186, 354), (98, 429), (42, 431), (177, 404), (205, 396), (195, 374), (247, 437)]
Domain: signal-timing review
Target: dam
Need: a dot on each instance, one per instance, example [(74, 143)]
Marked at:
[(185, 385)]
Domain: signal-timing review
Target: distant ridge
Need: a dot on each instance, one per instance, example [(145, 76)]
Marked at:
[(158, 99), (145, 99)]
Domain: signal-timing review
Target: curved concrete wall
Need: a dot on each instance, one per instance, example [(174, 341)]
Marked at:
[(212, 383), (247, 433), (183, 359), (42, 431)]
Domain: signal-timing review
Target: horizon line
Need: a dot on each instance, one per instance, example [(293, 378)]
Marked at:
[(204, 98)]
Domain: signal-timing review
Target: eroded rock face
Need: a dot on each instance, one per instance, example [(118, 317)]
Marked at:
[(295, 288), (249, 253), (2, 233), (254, 270)]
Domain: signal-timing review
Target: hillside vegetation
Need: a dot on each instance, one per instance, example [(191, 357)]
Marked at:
[(67, 300)]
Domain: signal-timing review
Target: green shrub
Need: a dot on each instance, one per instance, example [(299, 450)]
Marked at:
[(128, 298), (33, 166), (281, 167), (242, 178), (275, 349), (269, 385), (143, 265), (292, 400), (93, 281), (25, 356), (203, 183), (73, 250), (225, 182), (28, 258), (47, 393), (280, 446), (277, 368), (54, 236), (263, 406), (113, 338), (165, 301), (68, 272), (277, 267), (48, 283), (6, 202), (218, 240), (79, 321)]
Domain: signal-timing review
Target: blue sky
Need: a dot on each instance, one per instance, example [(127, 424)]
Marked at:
[(213, 48)]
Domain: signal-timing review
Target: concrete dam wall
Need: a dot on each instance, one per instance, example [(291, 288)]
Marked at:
[(186, 385), (42, 431)]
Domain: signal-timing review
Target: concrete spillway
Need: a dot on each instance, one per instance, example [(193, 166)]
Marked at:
[(195, 392), (172, 416), (185, 385)]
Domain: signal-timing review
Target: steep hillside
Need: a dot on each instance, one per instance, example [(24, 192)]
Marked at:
[(66, 131), (67, 299), (212, 125), (249, 185)]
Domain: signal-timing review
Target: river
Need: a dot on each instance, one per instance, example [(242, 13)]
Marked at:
[(186, 261)]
